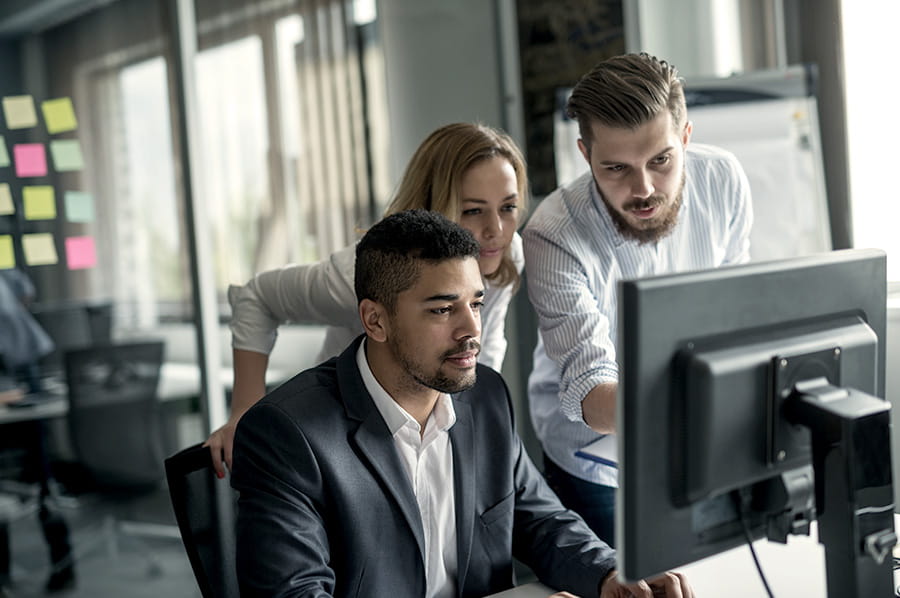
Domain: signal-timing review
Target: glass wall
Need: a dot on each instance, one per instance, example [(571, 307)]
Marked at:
[(291, 160)]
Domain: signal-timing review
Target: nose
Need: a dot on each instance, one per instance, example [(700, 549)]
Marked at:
[(642, 184), (469, 324), (493, 226)]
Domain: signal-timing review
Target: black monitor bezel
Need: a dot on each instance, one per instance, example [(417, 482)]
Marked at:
[(658, 317)]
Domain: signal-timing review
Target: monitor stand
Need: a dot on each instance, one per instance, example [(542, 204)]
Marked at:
[(851, 448)]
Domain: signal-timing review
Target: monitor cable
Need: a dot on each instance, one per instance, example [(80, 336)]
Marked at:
[(742, 498)]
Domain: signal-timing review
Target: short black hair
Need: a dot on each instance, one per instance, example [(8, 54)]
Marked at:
[(389, 255)]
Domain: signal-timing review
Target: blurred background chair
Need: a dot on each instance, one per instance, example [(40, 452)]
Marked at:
[(116, 435), (204, 509)]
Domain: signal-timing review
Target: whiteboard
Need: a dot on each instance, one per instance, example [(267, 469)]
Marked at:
[(776, 141)]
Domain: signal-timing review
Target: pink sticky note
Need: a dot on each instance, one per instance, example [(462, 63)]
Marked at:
[(80, 253), (31, 160)]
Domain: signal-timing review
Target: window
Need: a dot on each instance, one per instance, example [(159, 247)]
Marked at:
[(870, 42), (293, 145)]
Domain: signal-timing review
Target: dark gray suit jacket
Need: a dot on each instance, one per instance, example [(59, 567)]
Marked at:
[(326, 509)]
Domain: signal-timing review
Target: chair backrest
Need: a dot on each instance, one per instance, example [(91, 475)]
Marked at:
[(204, 509), (114, 412)]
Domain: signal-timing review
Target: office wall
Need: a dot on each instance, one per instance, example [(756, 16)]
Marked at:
[(443, 64)]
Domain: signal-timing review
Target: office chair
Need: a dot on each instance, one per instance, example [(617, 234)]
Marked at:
[(204, 509), (116, 433)]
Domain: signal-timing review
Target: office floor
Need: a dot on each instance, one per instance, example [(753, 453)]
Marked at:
[(129, 573)]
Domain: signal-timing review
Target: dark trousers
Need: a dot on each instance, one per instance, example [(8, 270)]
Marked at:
[(594, 502)]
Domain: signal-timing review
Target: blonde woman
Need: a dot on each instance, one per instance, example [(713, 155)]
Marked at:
[(472, 174)]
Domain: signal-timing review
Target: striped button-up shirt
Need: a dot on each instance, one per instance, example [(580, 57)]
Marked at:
[(574, 257)]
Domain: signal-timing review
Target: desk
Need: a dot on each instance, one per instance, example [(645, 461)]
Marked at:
[(528, 590), (177, 381), (47, 409), (793, 569)]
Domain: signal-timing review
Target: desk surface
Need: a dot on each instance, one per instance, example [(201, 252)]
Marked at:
[(176, 381), (528, 590), (793, 569)]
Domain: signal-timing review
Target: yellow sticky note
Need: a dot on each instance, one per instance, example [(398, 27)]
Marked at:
[(59, 114), (4, 154), (39, 202), (7, 255), (39, 249), (19, 112), (6, 203)]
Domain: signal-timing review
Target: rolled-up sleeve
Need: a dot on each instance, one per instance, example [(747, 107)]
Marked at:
[(575, 328), (320, 293)]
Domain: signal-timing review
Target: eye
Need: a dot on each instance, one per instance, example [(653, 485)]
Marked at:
[(477, 305), (510, 207), (471, 212), (660, 160), (440, 311), (615, 168)]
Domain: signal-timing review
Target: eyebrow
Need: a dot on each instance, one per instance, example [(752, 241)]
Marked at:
[(656, 155), (476, 200), (451, 297)]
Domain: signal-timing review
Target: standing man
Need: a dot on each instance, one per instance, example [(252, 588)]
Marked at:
[(394, 469), (651, 204)]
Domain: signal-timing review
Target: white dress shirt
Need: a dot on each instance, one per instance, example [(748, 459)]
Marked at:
[(574, 259), (323, 293), (427, 458)]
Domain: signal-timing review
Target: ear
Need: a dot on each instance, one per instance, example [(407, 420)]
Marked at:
[(585, 151), (686, 133), (374, 320)]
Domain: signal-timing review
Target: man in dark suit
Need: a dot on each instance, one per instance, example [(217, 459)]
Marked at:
[(394, 469)]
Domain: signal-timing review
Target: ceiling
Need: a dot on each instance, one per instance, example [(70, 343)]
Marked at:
[(24, 17)]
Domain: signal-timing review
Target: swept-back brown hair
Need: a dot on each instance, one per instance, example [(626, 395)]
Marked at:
[(627, 91), (433, 177)]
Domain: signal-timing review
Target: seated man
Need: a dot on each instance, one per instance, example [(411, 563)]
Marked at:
[(395, 469)]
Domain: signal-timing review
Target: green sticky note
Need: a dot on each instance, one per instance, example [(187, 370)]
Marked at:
[(39, 249), (59, 115), (7, 255), (79, 206), (66, 155), (4, 154), (7, 206), (19, 112), (39, 202)]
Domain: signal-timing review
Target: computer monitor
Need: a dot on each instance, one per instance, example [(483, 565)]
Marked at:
[(748, 406)]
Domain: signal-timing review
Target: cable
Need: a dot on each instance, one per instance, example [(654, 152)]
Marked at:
[(742, 498)]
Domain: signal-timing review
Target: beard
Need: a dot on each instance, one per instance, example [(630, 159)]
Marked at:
[(436, 379), (656, 228)]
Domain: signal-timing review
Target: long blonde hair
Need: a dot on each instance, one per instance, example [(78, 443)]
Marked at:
[(433, 177)]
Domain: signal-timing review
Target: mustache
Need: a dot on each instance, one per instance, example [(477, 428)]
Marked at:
[(644, 204), (469, 345)]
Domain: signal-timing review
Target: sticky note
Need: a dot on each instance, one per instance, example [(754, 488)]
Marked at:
[(59, 115), (39, 202), (7, 255), (19, 111), (66, 155), (7, 206), (39, 249), (79, 206), (31, 160), (4, 155), (80, 253)]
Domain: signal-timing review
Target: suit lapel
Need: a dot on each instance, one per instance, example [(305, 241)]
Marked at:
[(376, 446), (462, 439)]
